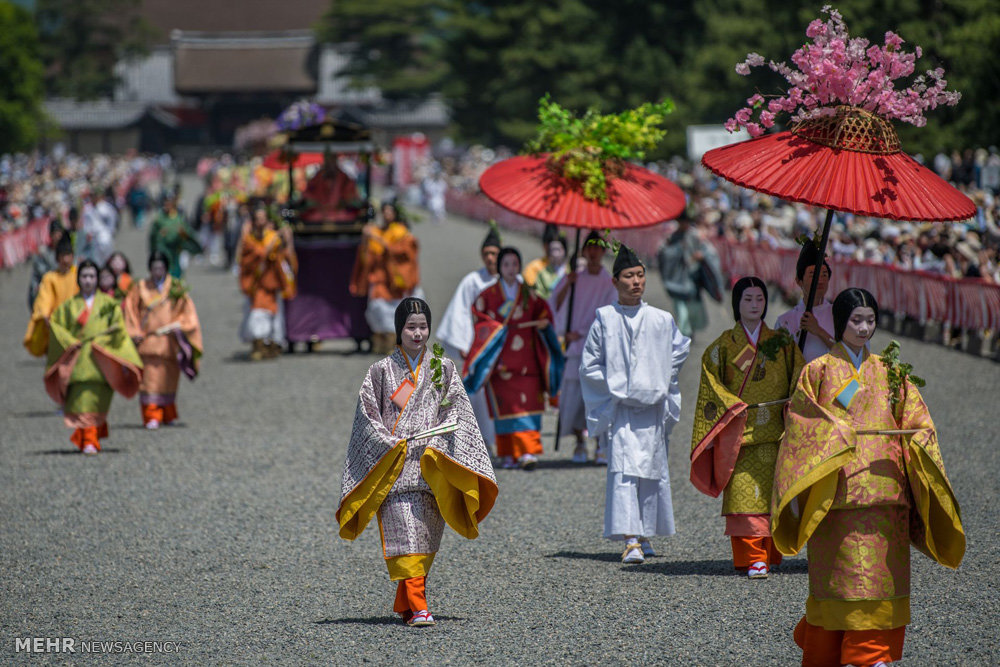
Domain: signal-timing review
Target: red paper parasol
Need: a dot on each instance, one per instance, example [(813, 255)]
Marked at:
[(867, 176), (636, 198), (278, 159), (850, 161), (526, 185)]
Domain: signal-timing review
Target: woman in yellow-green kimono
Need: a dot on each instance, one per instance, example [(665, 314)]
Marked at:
[(747, 374), (90, 357)]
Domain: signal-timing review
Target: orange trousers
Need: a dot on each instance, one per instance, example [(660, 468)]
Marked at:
[(520, 443), (749, 550), (161, 413), (89, 435), (410, 595), (833, 648)]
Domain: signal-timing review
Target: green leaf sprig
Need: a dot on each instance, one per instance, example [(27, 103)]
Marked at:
[(773, 346), (178, 289), (592, 149), (898, 373), (437, 373), (608, 242)]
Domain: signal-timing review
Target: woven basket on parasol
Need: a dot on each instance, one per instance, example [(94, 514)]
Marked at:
[(851, 129)]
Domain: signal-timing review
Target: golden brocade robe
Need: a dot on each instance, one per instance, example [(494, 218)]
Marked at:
[(859, 499), (734, 446)]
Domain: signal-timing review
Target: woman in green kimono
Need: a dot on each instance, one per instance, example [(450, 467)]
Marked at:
[(90, 357), (747, 375), (171, 234)]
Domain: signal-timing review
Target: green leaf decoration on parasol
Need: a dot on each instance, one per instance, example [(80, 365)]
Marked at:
[(591, 150)]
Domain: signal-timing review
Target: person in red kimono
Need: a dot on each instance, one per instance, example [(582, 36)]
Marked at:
[(516, 354)]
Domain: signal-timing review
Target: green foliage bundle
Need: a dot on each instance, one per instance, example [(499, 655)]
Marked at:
[(437, 373), (178, 289), (898, 372), (774, 345), (592, 149)]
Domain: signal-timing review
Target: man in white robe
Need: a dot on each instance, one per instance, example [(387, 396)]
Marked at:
[(594, 289), (819, 323), (628, 374), (457, 329)]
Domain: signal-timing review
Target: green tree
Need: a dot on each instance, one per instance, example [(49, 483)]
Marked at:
[(84, 39), (21, 73), (494, 59), (394, 44)]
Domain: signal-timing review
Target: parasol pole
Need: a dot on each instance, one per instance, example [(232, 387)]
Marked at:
[(569, 318), (814, 283)]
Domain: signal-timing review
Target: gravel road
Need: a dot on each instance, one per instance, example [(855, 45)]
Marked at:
[(220, 533)]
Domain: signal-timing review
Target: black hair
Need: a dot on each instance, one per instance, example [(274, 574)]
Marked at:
[(85, 264), (64, 246), (510, 250), (559, 239), (158, 256), (119, 253), (741, 286), (410, 306), (807, 257), (844, 305)]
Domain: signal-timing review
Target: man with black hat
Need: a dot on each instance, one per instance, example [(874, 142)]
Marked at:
[(458, 330), (819, 323), (594, 289), (628, 374)]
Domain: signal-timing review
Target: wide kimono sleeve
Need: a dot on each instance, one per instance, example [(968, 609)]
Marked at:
[(680, 348), (935, 518), (457, 465), (252, 255), (188, 337), (720, 417), (132, 311), (487, 344), (815, 446), (551, 359), (594, 385), (36, 338), (375, 457)]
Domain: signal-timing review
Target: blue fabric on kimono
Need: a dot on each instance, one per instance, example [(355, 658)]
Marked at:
[(557, 360), (482, 362), (518, 424)]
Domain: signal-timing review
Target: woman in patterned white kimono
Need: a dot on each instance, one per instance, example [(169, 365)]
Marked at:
[(416, 460)]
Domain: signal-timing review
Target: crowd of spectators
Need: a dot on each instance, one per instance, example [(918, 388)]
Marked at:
[(61, 186), (969, 248)]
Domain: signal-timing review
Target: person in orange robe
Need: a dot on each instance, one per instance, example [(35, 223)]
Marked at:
[(55, 289), (331, 195), (122, 269), (386, 270), (162, 321), (516, 354), (267, 269)]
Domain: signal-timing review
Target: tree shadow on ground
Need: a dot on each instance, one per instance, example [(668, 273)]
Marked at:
[(377, 620), (73, 452)]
